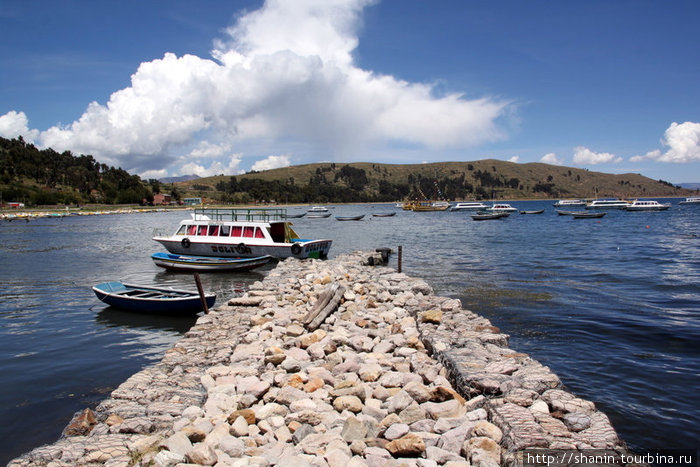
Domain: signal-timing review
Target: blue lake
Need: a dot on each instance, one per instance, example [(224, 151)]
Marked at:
[(612, 305)]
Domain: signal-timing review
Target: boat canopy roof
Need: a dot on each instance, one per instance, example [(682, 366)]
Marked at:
[(239, 214)]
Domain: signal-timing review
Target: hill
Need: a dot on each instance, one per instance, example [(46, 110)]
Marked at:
[(371, 182)]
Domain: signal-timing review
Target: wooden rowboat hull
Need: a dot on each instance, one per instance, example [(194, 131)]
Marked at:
[(147, 299), (206, 263)]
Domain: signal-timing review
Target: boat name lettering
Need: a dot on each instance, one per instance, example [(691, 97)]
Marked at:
[(231, 249)]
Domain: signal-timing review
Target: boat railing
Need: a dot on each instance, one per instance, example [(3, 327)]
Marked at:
[(240, 214)]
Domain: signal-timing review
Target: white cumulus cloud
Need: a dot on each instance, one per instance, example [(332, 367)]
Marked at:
[(271, 162), (584, 156), (14, 124), (683, 142), (514, 159), (284, 76), (552, 159)]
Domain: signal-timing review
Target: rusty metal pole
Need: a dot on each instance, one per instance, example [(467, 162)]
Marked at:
[(201, 293), (400, 257)]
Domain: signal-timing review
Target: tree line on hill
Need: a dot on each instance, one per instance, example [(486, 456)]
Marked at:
[(46, 177), (351, 184)]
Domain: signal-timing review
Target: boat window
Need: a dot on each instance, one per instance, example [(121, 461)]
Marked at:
[(182, 230), (213, 230), (259, 233), (236, 231), (248, 231), (225, 231), (191, 230), (202, 230)]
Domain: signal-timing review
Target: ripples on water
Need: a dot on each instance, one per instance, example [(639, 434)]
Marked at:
[(612, 305)]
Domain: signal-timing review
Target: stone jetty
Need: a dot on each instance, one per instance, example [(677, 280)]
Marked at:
[(334, 363)]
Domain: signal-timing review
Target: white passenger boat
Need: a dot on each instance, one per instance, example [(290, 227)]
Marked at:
[(318, 210), (608, 204), (469, 206), (241, 233), (647, 205), (501, 207), (562, 203), (691, 200)]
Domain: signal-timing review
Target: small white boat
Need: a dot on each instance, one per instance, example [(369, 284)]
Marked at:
[(469, 206), (647, 205), (501, 207), (318, 215), (691, 200), (608, 204), (562, 203), (318, 209)]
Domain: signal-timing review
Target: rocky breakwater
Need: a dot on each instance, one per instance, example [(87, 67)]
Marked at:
[(333, 363)]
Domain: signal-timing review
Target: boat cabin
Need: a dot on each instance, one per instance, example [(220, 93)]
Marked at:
[(238, 225)]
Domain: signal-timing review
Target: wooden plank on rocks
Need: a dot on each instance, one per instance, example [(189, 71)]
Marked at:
[(326, 304)]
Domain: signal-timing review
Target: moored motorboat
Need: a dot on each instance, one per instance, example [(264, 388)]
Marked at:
[(149, 299), (647, 205), (469, 206), (562, 203), (241, 233), (484, 216), (501, 207), (562, 212), (317, 209), (383, 214), (538, 211), (608, 204), (207, 263), (350, 218), (293, 216), (318, 215), (588, 215), (692, 200)]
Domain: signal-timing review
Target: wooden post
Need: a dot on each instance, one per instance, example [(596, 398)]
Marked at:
[(201, 293), (399, 259)]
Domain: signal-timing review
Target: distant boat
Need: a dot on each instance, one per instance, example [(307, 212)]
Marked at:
[(350, 218), (207, 263), (485, 216), (501, 207), (469, 206), (318, 215), (293, 216), (425, 206), (647, 205), (383, 214), (148, 299), (562, 203), (691, 200), (588, 215), (608, 204), (568, 213), (317, 209), (539, 211)]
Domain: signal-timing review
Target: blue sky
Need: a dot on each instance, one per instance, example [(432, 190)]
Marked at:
[(208, 87)]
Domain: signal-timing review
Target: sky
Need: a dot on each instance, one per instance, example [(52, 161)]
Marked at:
[(167, 88)]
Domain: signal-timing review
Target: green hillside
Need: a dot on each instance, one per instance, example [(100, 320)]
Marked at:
[(371, 182)]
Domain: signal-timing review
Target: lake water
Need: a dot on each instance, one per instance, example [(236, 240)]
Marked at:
[(612, 305)]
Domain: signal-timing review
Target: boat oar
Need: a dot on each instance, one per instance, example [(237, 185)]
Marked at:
[(201, 293)]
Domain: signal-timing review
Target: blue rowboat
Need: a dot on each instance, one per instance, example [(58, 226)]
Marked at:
[(147, 299), (207, 263)]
